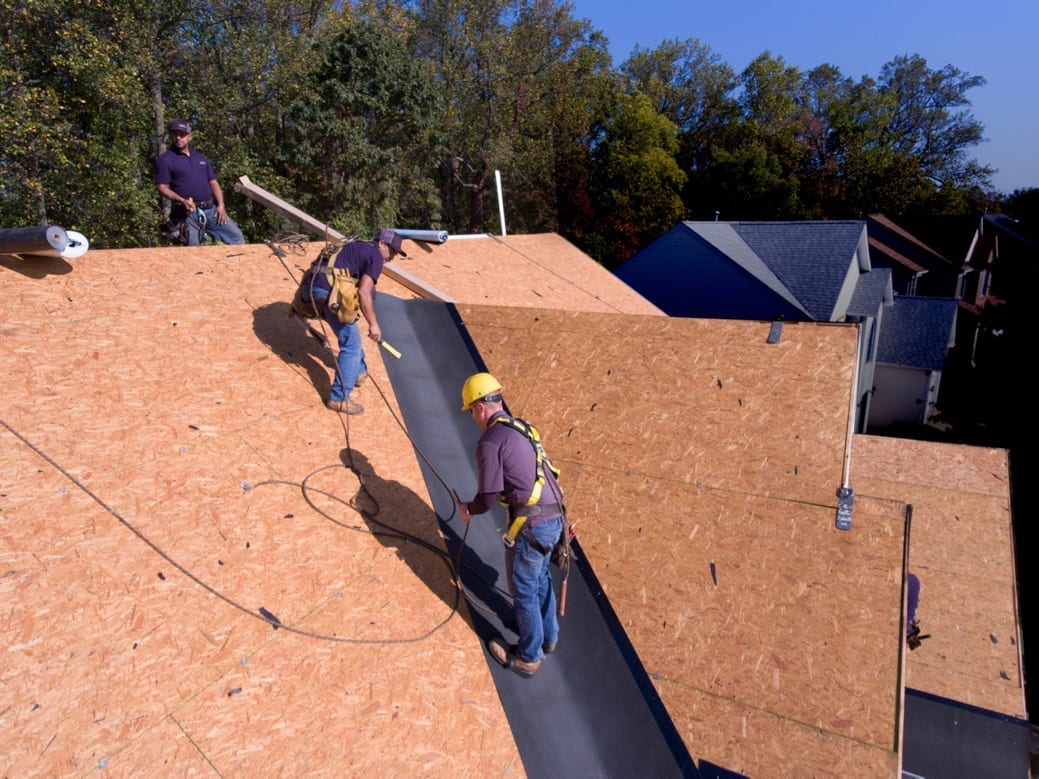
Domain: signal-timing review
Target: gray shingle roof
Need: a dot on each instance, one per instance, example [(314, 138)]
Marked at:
[(726, 238), (871, 292), (916, 332), (810, 258)]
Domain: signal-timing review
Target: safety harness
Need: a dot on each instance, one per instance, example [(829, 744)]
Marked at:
[(518, 515), (342, 294)]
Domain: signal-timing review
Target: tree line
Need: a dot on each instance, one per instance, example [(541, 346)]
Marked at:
[(378, 113)]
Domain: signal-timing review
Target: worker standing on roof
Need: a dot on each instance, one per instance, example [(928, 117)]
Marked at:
[(341, 290), (186, 176), (513, 469)]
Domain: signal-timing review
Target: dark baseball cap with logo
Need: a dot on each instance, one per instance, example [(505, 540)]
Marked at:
[(391, 238), (179, 126)]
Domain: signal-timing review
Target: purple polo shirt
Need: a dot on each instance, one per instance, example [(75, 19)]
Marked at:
[(358, 257), (506, 464), (187, 176)]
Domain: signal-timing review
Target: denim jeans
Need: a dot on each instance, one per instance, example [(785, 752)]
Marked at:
[(530, 582), (227, 233), (351, 362)]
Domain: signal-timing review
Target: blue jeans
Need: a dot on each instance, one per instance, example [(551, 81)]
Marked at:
[(351, 362), (530, 582), (227, 233)]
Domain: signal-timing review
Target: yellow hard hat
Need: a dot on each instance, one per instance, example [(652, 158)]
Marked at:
[(477, 387)]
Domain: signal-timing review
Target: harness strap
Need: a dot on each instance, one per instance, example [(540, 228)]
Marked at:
[(326, 259), (520, 514), (539, 510), (323, 264)]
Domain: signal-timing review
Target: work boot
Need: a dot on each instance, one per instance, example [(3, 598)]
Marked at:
[(361, 379), (506, 655), (522, 667), (548, 647), (499, 651), (345, 406)]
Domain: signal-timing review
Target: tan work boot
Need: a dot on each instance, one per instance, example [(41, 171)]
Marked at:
[(345, 406), (507, 657), (523, 668)]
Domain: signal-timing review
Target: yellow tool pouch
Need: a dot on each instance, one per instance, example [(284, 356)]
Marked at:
[(343, 297)]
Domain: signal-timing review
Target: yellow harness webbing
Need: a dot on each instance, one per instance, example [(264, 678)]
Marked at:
[(541, 462)]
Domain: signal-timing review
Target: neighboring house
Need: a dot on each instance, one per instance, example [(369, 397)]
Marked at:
[(916, 268), (1003, 262), (914, 341), (800, 271), (1003, 255), (999, 260), (872, 298)]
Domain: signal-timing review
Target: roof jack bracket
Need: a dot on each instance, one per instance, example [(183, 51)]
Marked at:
[(774, 332)]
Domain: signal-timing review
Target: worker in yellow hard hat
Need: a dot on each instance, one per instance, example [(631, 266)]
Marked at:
[(513, 469), (477, 387)]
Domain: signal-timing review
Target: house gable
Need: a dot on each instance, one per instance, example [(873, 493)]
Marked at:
[(709, 273), (804, 271), (818, 262)]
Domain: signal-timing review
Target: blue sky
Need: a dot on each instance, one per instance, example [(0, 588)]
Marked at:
[(999, 42)]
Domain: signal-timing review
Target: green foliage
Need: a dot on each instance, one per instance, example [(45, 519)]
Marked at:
[(519, 83), (929, 123), (375, 113), (638, 183), (690, 85), (349, 140)]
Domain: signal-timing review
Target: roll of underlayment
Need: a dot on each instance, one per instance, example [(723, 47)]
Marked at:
[(429, 236), (78, 245), (49, 240)]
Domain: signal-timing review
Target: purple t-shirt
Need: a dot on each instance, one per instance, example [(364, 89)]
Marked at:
[(507, 464), (187, 176), (358, 257)]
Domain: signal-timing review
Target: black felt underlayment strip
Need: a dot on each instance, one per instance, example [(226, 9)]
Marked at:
[(590, 710)]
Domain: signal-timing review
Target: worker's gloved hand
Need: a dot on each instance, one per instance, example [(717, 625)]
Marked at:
[(914, 637)]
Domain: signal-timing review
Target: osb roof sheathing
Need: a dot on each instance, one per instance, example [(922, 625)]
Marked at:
[(962, 550), (537, 271), (771, 636), (169, 469), (164, 416)]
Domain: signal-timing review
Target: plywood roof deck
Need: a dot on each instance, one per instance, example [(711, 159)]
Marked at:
[(168, 469), (962, 549), (715, 542)]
